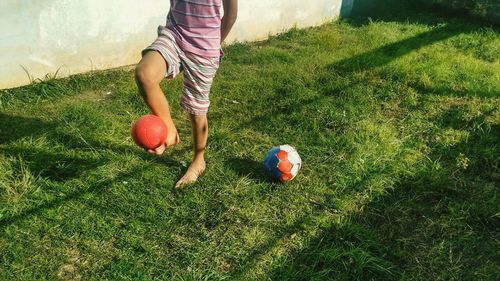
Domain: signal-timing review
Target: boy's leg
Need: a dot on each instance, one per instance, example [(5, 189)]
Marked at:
[(199, 73), (200, 135), (148, 74)]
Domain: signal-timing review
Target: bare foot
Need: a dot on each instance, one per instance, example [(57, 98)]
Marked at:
[(172, 139), (192, 174)]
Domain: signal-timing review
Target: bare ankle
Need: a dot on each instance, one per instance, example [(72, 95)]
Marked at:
[(199, 159)]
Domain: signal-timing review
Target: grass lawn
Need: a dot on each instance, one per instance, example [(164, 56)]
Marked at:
[(396, 118)]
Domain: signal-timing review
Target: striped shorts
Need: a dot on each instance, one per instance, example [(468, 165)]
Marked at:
[(199, 72)]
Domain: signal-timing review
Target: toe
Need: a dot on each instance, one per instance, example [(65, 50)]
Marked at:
[(159, 150), (181, 183)]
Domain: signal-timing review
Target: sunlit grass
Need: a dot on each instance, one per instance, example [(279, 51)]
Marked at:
[(397, 123)]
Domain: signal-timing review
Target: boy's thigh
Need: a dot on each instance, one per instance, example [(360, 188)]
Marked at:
[(164, 53), (152, 65)]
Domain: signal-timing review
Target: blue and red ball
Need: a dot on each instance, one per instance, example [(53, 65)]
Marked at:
[(282, 163)]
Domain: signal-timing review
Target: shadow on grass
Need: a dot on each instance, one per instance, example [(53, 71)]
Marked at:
[(401, 234), (370, 60), (55, 164), (70, 160), (248, 168), (446, 26), (97, 188), (441, 223), (16, 127), (420, 230), (13, 128), (411, 11), (385, 54)]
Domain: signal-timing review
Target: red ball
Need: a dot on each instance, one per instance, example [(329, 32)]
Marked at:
[(149, 132)]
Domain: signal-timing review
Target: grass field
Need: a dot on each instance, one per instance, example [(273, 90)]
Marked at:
[(397, 120)]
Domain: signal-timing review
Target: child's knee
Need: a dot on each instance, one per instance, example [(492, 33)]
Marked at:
[(141, 75), (146, 76)]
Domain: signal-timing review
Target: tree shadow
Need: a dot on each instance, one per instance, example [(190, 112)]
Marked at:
[(385, 54), (66, 157), (373, 59), (13, 128), (374, 245), (454, 91), (257, 253), (417, 11), (445, 25), (55, 164), (58, 164), (97, 188), (431, 225)]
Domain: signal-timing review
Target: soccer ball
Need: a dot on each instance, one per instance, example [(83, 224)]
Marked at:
[(282, 163)]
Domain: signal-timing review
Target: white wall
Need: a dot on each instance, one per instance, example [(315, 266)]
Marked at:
[(75, 36)]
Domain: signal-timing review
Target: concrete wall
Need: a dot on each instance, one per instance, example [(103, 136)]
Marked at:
[(74, 36)]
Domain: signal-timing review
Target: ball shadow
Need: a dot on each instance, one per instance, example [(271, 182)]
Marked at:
[(245, 167)]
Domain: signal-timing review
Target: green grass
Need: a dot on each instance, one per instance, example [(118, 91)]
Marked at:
[(397, 122)]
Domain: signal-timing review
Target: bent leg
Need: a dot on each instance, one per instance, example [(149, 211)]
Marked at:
[(148, 74)]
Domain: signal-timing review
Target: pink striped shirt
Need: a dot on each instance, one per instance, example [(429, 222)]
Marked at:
[(196, 25)]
